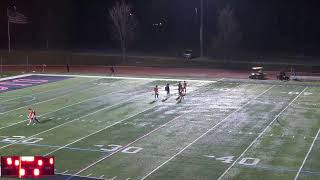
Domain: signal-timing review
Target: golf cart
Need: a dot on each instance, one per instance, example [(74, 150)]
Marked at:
[(258, 73)]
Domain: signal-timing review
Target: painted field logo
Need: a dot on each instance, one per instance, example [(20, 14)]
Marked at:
[(28, 81)]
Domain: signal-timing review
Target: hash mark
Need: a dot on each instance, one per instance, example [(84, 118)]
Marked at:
[(99, 145)]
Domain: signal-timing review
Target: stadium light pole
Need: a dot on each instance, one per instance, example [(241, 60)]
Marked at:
[(201, 29), (9, 38)]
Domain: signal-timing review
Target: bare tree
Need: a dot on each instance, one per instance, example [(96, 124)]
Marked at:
[(124, 24), (228, 36)]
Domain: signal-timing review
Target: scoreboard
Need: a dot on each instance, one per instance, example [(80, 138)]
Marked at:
[(27, 166)]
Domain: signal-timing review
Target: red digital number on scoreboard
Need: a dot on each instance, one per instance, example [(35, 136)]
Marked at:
[(27, 166)]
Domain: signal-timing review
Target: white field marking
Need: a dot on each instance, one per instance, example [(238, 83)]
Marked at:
[(96, 132), (89, 175), (58, 110), (66, 174), (307, 155), (255, 140), (76, 119), (14, 77), (101, 176), (99, 145), (124, 147), (36, 93), (44, 101), (133, 78), (212, 128), (209, 156)]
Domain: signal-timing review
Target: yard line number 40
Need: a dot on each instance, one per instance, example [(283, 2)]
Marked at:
[(247, 161)]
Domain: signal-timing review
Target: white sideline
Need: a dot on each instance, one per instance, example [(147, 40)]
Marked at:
[(14, 77), (118, 122), (131, 78), (254, 141), (212, 128), (307, 155), (55, 127), (46, 100)]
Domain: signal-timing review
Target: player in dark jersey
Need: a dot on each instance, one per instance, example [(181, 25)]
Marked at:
[(167, 89), (185, 87), (112, 70), (180, 92)]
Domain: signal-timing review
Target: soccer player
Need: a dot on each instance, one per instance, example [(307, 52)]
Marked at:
[(180, 92), (167, 88), (112, 70), (179, 87), (156, 93), (185, 87), (32, 117)]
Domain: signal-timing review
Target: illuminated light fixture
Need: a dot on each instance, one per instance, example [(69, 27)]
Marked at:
[(27, 158), (51, 161), (16, 162), (22, 172), (40, 162), (36, 172), (9, 161)]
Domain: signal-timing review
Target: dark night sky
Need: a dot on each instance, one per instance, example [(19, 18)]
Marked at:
[(267, 25)]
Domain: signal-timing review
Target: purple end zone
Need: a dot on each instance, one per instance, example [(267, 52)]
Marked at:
[(28, 81)]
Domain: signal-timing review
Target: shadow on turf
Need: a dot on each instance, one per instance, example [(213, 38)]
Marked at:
[(43, 121)]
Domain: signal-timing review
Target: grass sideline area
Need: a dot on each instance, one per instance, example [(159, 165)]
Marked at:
[(8, 74), (111, 128), (53, 58)]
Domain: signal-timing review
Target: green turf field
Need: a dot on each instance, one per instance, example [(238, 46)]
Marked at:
[(106, 128)]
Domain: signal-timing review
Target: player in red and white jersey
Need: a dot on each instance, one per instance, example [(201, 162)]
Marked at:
[(156, 92), (32, 117)]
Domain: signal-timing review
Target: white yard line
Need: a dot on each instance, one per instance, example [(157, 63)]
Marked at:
[(129, 144), (66, 174), (47, 100), (57, 110), (96, 132), (33, 94), (77, 119), (132, 78), (307, 155), (256, 139), (164, 163)]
